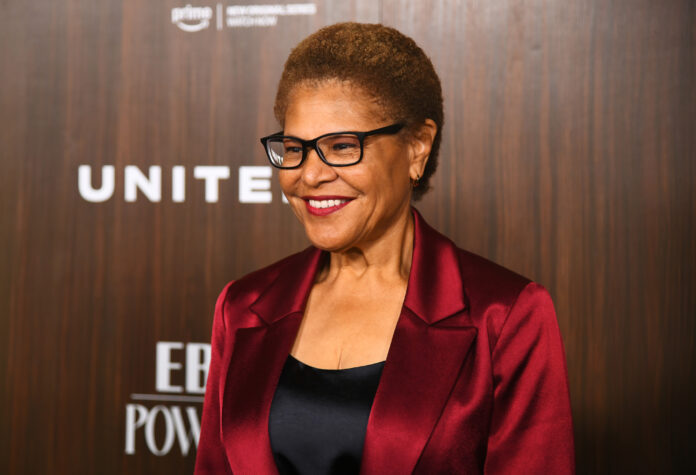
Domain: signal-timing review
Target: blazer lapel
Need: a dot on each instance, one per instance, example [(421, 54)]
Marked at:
[(427, 352), (257, 359), (259, 353)]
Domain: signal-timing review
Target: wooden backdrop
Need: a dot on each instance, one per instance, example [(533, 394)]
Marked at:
[(568, 156)]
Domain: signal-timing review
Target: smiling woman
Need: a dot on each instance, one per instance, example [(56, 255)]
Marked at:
[(373, 195), (382, 348)]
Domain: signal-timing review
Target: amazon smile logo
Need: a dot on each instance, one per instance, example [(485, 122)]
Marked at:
[(190, 18)]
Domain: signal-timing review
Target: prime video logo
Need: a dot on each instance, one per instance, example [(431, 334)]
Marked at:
[(190, 18)]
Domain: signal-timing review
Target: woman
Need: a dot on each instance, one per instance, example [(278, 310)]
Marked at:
[(382, 348)]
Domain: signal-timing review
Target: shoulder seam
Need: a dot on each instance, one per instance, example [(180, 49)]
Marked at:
[(507, 316)]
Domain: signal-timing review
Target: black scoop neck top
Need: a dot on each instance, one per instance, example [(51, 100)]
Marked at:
[(319, 417)]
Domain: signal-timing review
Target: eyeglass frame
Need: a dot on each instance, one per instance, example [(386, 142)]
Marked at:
[(307, 144)]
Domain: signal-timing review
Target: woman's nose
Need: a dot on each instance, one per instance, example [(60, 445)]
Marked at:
[(315, 171)]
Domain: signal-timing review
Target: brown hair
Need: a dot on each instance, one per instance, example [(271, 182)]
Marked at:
[(383, 63)]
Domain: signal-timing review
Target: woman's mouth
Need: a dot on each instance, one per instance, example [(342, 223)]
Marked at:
[(324, 205)]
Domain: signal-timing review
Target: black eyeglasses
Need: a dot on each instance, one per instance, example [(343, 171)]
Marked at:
[(338, 149)]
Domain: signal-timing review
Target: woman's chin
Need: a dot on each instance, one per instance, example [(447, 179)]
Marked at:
[(326, 245), (328, 242)]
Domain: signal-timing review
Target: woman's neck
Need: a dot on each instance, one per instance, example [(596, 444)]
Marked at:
[(387, 258)]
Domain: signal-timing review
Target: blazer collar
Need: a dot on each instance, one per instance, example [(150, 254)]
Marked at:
[(434, 274), (289, 291)]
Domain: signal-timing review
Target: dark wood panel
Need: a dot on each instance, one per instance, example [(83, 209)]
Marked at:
[(92, 287), (568, 155)]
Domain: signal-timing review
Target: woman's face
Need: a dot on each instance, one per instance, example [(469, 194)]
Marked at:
[(346, 207)]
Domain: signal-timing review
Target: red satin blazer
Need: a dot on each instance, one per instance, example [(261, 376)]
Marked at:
[(474, 381)]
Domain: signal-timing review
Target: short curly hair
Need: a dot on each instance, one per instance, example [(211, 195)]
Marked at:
[(382, 62)]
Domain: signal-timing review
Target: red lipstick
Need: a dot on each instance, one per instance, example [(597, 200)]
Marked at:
[(325, 205)]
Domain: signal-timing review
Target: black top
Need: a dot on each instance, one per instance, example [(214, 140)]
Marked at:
[(319, 417)]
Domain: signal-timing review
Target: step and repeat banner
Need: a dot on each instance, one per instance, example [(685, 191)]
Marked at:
[(133, 187)]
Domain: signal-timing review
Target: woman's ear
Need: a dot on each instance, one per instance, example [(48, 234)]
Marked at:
[(421, 144)]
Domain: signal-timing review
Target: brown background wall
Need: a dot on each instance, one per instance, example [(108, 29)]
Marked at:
[(568, 156)]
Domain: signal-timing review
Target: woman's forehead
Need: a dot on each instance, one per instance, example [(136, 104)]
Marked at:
[(328, 107)]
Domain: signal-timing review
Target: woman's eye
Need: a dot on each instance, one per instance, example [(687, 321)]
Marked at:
[(293, 149), (344, 146)]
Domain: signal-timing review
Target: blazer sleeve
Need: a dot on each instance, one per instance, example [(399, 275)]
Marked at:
[(531, 427), (211, 457)]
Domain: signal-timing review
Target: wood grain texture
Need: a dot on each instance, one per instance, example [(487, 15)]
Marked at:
[(568, 156)]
